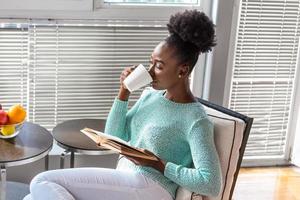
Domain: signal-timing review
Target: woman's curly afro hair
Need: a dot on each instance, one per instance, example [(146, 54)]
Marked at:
[(192, 33)]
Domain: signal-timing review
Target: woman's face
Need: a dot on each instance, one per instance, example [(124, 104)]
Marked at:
[(164, 67)]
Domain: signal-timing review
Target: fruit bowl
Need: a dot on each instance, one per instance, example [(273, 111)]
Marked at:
[(10, 130)]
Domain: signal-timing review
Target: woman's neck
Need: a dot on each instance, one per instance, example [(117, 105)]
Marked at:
[(180, 94)]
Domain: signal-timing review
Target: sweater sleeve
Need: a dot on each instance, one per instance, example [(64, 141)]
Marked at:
[(205, 177), (119, 118)]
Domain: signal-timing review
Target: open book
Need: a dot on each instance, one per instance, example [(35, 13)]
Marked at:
[(116, 144)]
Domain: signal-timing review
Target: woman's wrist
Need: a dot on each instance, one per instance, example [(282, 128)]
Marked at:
[(123, 94)]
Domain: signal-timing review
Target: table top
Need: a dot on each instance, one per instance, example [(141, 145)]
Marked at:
[(32, 143), (68, 135)]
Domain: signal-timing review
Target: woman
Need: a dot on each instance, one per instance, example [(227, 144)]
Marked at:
[(167, 122)]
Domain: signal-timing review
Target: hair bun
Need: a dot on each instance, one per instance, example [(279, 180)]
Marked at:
[(193, 27)]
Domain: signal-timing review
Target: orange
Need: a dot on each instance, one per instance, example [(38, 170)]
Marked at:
[(16, 114)]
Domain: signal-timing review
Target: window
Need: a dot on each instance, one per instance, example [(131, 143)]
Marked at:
[(64, 70), (13, 65), (146, 9), (263, 74)]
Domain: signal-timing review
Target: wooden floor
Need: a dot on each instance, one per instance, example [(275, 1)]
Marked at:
[(275, 183)]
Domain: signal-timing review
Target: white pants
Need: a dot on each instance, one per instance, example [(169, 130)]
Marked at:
[(94, 184)]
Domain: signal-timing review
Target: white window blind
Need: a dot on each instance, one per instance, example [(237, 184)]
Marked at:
[(265, 61), (74, 68), (13, 66)]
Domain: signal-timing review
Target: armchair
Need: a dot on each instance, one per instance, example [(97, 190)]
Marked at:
[(231, 131)]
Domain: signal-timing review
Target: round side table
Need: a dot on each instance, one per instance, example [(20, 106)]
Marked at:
[(68, 136), (31, 144)]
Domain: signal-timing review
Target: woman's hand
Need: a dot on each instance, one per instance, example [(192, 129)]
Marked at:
[(158, 165), (124, 92)]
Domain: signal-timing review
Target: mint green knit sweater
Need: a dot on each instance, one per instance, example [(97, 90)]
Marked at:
[(180, 134)]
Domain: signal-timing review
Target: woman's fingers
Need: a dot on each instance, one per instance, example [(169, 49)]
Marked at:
[(133, 67), (126, 72), (132, 160), (148, 152)]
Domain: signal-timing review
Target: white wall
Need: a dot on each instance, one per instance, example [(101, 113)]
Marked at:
[(294, 142), (220, 56)]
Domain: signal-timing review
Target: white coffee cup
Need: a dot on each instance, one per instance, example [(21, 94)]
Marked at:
[(138, 78)]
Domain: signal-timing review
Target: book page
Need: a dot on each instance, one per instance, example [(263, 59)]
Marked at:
[(106, 136), (116, 144)]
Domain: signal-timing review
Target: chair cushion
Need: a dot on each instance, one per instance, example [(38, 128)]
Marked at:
[(228, 136)]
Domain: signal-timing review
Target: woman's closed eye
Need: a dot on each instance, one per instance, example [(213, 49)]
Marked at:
[(158, 66)]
